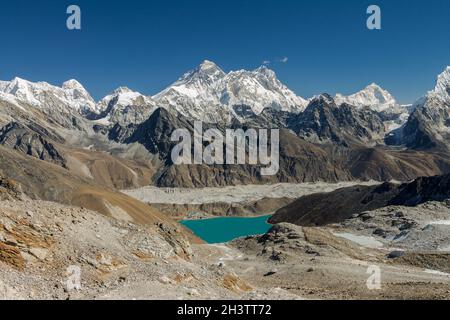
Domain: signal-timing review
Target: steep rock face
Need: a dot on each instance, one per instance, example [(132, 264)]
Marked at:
[(325, 122), (155, 132), (268, 118), (442, 88), (118, 132), (427, 128), (29, 142), (429, 125), (339, 205)]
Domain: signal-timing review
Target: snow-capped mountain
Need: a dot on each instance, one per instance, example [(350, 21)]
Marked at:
[(194, 94), (443, 84), (440, 96), (125, 106), (72, 95), (209, 94), (122, 97), (372, 96), (258, 89), (379, 100), (429, 124), (440, 93)]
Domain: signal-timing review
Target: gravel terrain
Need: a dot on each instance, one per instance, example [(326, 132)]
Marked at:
[(41, 241), (43, 245)]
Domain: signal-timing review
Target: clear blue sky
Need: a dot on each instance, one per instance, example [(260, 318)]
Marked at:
[(148, 44)]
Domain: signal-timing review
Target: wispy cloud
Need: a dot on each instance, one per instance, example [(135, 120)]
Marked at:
[(279, 60)]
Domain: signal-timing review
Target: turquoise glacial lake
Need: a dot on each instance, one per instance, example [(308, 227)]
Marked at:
[(225, 229)]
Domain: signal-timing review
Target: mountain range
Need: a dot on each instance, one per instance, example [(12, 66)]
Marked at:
[(123, 140), (206, 93)]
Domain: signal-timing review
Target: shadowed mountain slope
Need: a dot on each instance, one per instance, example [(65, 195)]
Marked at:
[(339, 205)]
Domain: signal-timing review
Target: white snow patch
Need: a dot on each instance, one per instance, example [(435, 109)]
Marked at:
[(440, 222), (436, 272), (369, 242), (104, 121), (444, 249), (9, 98)]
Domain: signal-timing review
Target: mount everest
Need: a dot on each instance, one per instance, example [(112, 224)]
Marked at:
[(209, 94)]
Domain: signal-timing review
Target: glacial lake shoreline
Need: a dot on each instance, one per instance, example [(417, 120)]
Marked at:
[(225, 229)]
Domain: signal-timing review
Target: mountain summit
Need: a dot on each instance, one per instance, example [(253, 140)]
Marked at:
[(259, 89), (373, 96), (124, 106), (194, 94), (208, 93), (429, 124), (379, 100), (443, 84)]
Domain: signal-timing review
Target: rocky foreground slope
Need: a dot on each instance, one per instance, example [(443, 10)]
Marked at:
[(40, 241), (409, 246), (46, 248)]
